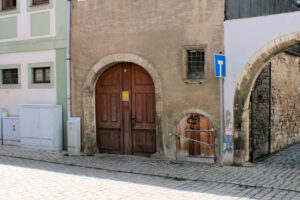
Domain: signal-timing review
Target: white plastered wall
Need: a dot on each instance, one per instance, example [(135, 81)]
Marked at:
[(243, 37), (23, 22), (12, 98)]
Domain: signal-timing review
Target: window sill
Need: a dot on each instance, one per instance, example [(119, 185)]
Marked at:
[(194, 81), (10, 86), (8, 9), (41, 85)]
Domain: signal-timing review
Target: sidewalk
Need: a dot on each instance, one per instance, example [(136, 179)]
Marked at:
[(282, 171)]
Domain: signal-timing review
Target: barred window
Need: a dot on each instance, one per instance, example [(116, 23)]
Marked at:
[(195, 64), (10, 76)]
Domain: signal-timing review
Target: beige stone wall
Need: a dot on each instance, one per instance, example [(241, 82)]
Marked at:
[(285, 100), (155, 30)]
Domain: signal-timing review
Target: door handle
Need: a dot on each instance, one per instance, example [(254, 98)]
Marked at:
[(132, 119)]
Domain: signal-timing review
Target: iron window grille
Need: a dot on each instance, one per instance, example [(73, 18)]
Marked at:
[(41, 75), (195, 64), (10, 76), (39, 2), (9, 4)]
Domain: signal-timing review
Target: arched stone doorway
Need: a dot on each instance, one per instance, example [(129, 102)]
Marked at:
[(89, 129), (243, 91), (125, 111), (195, 137), (274, 106)]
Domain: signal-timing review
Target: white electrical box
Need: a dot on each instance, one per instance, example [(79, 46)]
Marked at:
[(11, 130), (41, 126), (74, 135), (3, 113)]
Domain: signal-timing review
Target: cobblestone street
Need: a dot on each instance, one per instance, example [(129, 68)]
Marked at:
[(33, 174)]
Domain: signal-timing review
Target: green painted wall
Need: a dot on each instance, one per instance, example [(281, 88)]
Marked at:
[(32, 45), (61, 65), (8, 28), (61, 19), (61, 89), (40, 23)]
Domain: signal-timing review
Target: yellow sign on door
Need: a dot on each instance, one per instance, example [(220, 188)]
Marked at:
[(125, 95)]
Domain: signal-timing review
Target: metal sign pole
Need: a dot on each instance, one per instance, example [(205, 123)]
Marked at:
[(220, 71), (221, 120)]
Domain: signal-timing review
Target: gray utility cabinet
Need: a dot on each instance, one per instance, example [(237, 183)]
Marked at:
[(11, 130), (41, 126)]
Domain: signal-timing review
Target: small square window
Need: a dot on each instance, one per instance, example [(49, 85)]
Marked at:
[(10, 76), (39, 2), (9, 4), (195, 64), (41, 75)]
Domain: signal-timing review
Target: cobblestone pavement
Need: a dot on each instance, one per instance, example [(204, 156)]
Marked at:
[(34, 174)]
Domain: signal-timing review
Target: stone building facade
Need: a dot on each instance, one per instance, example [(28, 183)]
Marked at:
[(158, 36)]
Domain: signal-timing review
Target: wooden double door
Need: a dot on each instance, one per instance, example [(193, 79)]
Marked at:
[(125, 111)]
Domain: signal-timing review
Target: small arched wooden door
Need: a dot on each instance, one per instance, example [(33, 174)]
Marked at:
[(195, 137), (125, 109)]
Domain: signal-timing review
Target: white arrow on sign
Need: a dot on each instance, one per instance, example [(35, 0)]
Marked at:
[(220, 62)]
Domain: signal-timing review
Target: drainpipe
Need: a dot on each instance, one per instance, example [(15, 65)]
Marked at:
[(74, 130), (68, 59)]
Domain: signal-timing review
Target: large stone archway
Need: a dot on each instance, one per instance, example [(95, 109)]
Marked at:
[(243, 91), (89, 117)]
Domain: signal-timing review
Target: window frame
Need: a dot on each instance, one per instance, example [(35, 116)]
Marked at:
[(11, 81), (43, 65), (10, 11), (43, 2), (44, 75), (41, 6), (199, 64), (12, 7), (185, 76), (10, 86)]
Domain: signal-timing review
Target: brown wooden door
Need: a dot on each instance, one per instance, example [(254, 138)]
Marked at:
[(199, 128), (125, 109)]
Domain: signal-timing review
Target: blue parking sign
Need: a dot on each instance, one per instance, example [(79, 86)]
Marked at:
[(220, 65)]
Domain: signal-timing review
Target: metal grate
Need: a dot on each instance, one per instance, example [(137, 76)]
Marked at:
[(196, 63), (10, 76)]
